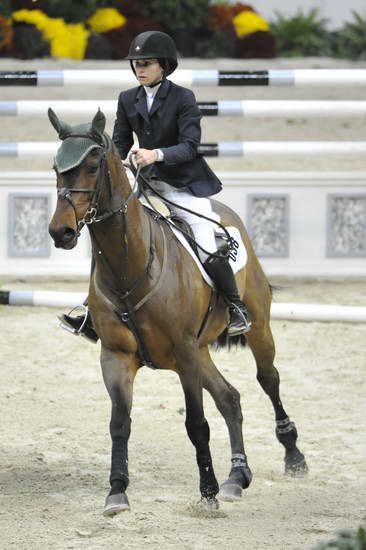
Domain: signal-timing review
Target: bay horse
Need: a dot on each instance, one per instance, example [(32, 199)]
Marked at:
[(148, 297)]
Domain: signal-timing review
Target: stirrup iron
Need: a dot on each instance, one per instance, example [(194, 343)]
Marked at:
[(65, 326), (243, 315)]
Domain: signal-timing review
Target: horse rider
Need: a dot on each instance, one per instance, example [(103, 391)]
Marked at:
[(166, 119)]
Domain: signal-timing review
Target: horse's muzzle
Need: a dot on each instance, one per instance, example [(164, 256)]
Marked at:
[(64, 236)]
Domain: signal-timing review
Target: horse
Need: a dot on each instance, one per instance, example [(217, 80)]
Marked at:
[(150, 305)]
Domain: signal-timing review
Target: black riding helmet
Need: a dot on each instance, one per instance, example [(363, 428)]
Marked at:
[(154, 45)]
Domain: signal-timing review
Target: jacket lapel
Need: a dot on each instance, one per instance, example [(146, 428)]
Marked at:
[(141, 105), (160, 96)]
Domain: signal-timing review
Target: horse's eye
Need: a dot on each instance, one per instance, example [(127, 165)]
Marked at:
[(93, 170)]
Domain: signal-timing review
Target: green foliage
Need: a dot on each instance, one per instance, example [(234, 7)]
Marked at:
[(350, 41), (301, 35), (28, 42), (71, 11), (347, 539), (178, 14), (5, 8)]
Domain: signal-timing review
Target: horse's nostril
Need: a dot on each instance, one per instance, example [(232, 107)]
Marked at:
[(68, 235), (62, 235)]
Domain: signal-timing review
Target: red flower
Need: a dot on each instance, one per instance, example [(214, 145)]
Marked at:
[(238, 7), (6, 34), (219, 17)]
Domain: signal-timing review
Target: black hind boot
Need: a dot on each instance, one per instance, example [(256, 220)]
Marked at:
[(222, 274)]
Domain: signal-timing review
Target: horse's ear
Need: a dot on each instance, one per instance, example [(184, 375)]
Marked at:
[(54, 120), (99, 122), (62, 128)]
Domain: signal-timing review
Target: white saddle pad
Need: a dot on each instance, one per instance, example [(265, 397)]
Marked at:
[(237, 264)]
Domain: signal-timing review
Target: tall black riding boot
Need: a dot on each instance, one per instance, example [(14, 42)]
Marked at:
[(222, 274)]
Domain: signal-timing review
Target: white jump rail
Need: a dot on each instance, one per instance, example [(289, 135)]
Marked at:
[(249, 149), (288, 311), (246, 108), (185, 77)]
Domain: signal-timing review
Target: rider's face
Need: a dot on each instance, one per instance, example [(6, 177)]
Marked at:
[(148, 71)]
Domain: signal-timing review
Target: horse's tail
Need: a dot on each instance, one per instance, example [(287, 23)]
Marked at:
[(229, 342)]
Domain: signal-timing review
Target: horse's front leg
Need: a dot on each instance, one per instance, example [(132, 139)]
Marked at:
[(119, 372), (227, 400), (199, 433)]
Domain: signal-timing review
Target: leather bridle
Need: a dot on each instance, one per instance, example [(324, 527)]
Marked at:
[(91, 215)]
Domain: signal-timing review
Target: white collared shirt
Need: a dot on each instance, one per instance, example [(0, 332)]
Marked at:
[(150, 96)]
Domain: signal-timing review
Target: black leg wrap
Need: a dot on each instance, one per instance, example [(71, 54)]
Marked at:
[(240, 472), (119, 479), (208, 483), (239, 478), (199, 434), (286, 434)]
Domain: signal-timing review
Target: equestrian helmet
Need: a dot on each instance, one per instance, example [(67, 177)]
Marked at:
[(154, 45)]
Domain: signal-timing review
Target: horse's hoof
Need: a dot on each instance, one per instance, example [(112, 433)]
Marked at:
[(297, 469), (209, 504), (116, 504), (230, 492)]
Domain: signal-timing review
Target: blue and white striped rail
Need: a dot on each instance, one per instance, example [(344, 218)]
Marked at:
[(250, 108), (125, 78), (290, 311), (44, 149)]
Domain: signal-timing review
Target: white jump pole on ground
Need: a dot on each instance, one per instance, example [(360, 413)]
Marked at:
[(248, 149), (316, 312), (47, 298), (126, 79), (289, 311), (246, 108)]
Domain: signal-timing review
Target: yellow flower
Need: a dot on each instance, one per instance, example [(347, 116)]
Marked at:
[(247, 22), (106, 19), (78, 41), (34, 17), (65, 40)]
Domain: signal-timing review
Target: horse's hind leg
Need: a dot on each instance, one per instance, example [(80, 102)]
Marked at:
[(199, 433), (261, 343), (119, 371), (227, 400)]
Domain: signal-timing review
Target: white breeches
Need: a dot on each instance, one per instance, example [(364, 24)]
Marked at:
[(203, 230)]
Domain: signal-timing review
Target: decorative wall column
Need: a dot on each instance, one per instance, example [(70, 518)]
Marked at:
[(346, 225), (29, 215), (268, 224)]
